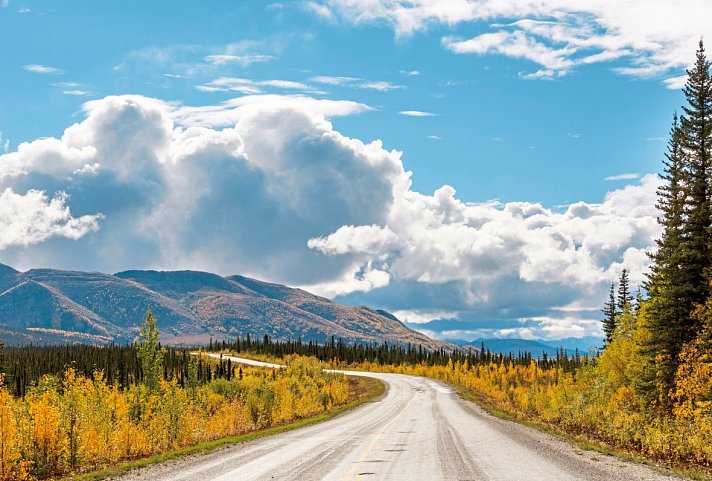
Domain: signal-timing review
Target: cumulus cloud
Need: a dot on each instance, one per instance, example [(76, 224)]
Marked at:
[(175, 190), (263, 185), (31, 218), (555, 34), (517, 260)]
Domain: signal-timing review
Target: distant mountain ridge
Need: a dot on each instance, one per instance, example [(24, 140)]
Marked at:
[(50, 306), (534, 346)]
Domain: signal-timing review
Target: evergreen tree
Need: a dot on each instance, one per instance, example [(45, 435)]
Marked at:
[(624, 295), (696, 124), (679, 278), (150, 353), (639, 299), (669, 290), (609, 314)]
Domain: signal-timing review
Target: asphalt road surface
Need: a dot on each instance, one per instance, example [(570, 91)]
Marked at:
[(419, 430)]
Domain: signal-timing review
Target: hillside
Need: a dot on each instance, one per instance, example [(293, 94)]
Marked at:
[(50, 306), (537, 347)]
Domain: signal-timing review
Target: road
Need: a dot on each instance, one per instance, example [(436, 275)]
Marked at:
[(419, 430)]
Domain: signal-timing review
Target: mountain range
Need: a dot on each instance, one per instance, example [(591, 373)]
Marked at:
[(54, 306), (535, 346)]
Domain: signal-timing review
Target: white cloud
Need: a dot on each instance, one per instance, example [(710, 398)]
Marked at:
[(76, 93), (42, 69), (556, 34), (319, 9), (628, 176), (434, 137), (365, 239), (4, 3), (355, 82), (285, 84), (231, 111), (4, 144), (416, 113), (423, 317), (264, 186), (380, 85), (243, 60), (33, 218), (249, 86), (329, 80), (410, 73), (515, 44), (675, 83)]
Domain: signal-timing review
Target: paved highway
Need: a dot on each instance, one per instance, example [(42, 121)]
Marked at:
[(419, 430)]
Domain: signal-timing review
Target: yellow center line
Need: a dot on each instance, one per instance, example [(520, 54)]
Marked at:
[(374, 444)]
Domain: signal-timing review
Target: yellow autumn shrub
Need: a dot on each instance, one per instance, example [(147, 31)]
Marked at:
[(80, 424)]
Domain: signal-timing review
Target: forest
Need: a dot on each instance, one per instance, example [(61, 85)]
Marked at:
[(66, 421)]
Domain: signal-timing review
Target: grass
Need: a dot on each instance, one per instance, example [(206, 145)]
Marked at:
[(362, 390), (582, 443)]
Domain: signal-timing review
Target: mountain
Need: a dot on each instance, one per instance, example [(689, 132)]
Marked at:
[(535, 346), (54, 306)]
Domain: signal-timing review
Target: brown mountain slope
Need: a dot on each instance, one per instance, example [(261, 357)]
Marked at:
[(191, 307)]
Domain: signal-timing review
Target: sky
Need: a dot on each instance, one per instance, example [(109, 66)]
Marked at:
[(481, 168)]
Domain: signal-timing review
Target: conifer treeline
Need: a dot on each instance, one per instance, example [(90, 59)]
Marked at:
[(679, 281), (24, 366), (395, 354), (121, 365)]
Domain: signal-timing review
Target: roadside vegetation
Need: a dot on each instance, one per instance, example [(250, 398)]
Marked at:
[(74, 423)]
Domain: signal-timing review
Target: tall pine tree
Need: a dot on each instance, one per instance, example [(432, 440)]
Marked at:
[(680, 273), (667, 285), (625, 298), (696, 126), (609, 314)]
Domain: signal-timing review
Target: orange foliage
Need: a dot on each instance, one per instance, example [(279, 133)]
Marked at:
[(82, 424)]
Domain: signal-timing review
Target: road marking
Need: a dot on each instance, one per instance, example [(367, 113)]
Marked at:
[(374, 444)]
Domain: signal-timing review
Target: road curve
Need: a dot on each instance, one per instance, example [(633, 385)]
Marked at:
[(419, 430)]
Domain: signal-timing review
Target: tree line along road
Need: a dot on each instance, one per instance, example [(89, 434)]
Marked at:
[(419, 430)]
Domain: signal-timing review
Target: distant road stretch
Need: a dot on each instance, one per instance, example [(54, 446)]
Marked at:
[(420, 430)]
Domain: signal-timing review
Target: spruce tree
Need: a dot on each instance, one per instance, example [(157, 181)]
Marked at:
[(667, 286), (624, 295), (696, 126), (679, 277), (609, 315), (639, 299)]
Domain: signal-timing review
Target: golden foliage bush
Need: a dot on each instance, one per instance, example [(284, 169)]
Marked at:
[(79, 424), (601, 399)]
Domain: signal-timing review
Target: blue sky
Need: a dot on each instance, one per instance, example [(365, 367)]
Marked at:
[(559, 105)]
